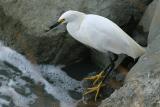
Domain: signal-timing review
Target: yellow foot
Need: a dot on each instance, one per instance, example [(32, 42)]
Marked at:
[(94, 89), (96, 77)]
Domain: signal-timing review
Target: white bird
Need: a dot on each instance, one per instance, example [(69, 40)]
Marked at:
[(101, 34)]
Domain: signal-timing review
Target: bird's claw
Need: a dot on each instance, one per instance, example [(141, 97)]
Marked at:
[(95, 78), (95, 89), (98, 78)]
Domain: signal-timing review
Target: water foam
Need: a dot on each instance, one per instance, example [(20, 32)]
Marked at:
[(61, 82), (3, 102), (60, 78), (18, 99)]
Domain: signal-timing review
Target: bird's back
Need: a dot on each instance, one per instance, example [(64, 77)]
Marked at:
[(104, 35)]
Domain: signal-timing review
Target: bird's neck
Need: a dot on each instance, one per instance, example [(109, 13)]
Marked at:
[(73, 27)]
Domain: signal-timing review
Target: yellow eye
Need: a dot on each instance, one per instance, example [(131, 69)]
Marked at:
[(61, 21)]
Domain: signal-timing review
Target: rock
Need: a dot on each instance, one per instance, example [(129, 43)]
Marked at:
[(147, 17), (142, 30), (155, 24), (16, 31), (142, 84), (140, 34), (22, 25)]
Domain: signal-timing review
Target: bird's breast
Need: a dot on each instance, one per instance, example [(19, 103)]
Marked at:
[(81, 35)]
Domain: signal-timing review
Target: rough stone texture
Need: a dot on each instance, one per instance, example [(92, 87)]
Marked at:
[(142, 85), (22, 25), (155, 24), (148, 16)]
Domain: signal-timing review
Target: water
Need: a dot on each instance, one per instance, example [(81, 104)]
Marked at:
[(23, 84)]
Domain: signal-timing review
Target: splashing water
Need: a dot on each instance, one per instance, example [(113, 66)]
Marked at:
[(14, 68)]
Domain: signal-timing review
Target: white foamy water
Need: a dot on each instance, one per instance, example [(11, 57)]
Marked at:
[(60, 78), (61, 82), (3, 102), (18, 99)]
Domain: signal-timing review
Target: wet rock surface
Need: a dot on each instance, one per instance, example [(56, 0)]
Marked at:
[(24, 84)]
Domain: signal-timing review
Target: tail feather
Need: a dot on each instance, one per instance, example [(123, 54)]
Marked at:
[(137, 51)]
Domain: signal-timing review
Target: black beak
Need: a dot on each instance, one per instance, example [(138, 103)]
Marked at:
[(53, 26)]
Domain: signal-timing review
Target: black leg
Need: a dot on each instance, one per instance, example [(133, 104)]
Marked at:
[(111, 66), (115, 57)]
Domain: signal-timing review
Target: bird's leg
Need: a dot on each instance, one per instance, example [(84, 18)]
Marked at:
[(101, 76), (111, 66)]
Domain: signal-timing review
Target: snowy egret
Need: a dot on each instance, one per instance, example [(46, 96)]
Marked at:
[(101, 34)]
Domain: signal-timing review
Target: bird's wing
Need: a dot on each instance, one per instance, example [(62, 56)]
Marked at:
[(103, 35)]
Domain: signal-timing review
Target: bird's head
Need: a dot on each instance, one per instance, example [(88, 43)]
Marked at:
[(67, 17)]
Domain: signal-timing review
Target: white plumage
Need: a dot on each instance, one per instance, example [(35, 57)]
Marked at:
[(100, 33)]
